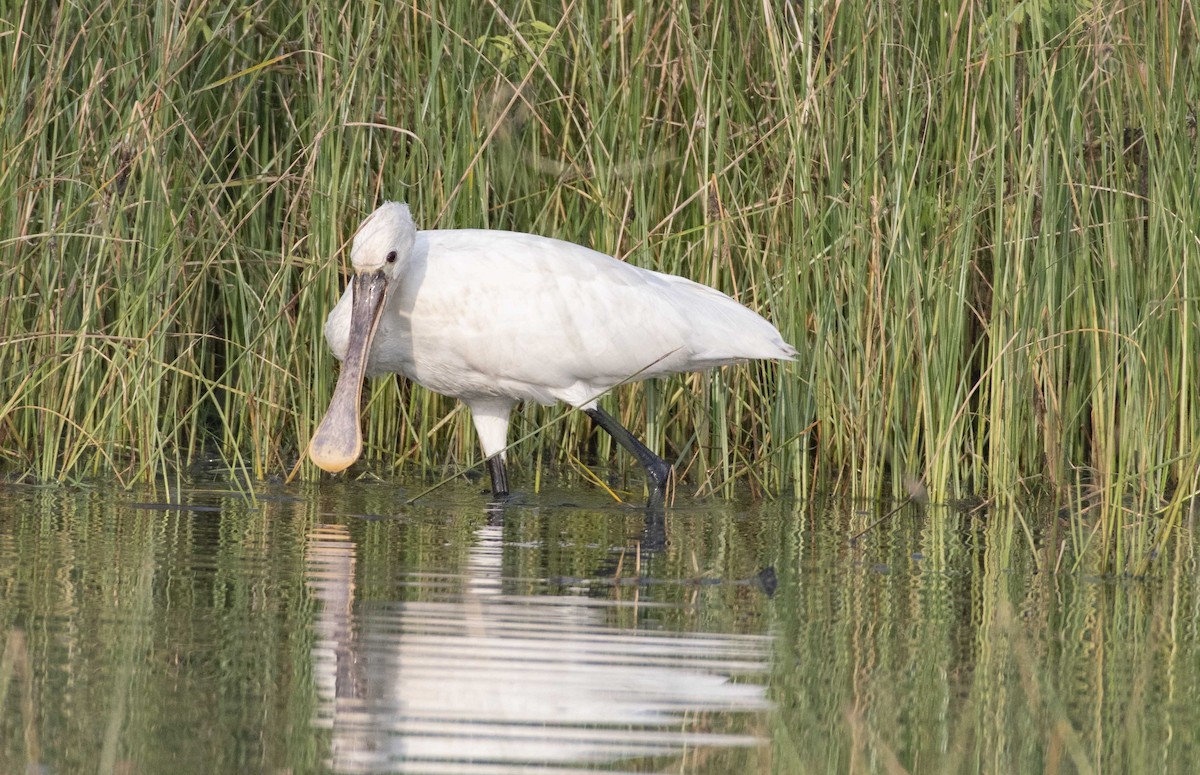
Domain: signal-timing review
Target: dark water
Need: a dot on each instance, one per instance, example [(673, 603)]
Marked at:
[(336, 629)]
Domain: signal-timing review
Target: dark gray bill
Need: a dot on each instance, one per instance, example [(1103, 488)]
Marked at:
[(338, 440)]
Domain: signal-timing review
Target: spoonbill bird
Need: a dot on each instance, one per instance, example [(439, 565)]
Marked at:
[(493, 318)]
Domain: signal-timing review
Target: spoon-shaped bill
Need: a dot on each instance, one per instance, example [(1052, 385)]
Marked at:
[(338, 440)]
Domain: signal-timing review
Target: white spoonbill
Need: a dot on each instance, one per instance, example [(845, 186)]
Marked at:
[(493, 318)]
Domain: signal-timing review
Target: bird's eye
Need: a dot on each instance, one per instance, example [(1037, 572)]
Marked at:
[(391, 257)]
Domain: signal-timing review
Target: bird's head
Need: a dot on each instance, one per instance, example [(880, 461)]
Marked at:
[(384, 241), (380, 254)]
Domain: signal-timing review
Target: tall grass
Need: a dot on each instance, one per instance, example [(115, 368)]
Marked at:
[(978, 225)]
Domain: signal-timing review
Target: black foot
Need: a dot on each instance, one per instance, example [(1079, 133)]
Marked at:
[(658, 477), (505, 499), (658, 471)]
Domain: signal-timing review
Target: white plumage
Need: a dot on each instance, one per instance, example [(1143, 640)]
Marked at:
[(496, 317)]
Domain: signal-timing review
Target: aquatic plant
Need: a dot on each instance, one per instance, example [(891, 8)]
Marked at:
[(979, 229)]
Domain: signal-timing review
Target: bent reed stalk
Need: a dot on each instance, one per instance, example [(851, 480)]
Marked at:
[(979, 229)]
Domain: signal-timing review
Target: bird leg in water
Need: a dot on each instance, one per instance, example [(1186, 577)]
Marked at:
[(495, 465), (657, 470)]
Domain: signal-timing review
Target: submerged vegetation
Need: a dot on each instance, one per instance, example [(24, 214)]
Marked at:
[(977, 224)]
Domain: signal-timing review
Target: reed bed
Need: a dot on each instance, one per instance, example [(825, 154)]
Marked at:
[(978, 225)]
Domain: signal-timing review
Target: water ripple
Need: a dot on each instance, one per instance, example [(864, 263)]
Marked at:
[(492, 683)]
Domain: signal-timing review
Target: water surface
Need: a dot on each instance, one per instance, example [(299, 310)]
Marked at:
[(336, 629)]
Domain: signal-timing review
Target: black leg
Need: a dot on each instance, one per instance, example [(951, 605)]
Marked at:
[(495, 465), (657, 470)]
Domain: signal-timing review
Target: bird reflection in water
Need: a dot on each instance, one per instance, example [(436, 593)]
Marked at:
[(466, 677)]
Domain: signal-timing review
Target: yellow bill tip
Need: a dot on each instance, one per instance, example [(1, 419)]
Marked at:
[(332, 462), (335, 445)]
